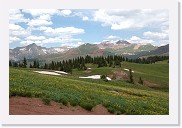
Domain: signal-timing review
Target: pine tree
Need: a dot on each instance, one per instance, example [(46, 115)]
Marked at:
[(45, 66), (10, 63), (24, 63), (31, 65), (140, 81), (34, 64), (15, 64), (110, 63), (131, 76)]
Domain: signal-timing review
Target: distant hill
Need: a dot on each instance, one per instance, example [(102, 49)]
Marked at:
[(33, 51), (119, 47), (160, 51)]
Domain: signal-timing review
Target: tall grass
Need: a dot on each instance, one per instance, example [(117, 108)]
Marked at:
[(117, 96)]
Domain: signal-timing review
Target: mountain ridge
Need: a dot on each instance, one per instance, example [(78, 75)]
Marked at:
[(119, 47)]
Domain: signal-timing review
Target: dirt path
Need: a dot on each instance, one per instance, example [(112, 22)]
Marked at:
[(35, 106)]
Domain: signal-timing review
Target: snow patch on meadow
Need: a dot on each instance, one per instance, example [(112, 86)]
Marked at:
[(47, 73), (61, 72), (95, 77), (127, 70)]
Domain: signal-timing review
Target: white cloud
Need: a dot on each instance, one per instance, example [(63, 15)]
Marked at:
[(17, 30), (163, 44), (66, 31), (39, 22), (135, 39), (42, 41), (65, 12), (27, 42), (60, 40), (80, 43), (35, 38), (13, 39), (156, 35), (39, 12), (42, 20), (15, 16), (112, 37), (130, 19), (84, 18), (41, 17), (45, 17)]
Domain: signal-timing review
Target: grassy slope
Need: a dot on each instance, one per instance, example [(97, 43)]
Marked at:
[(157, 73), (130, 99)]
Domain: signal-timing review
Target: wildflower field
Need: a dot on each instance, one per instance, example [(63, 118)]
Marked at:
[(117, 96)]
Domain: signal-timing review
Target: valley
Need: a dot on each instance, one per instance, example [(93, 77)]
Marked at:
[(117, 96), (89, 61)]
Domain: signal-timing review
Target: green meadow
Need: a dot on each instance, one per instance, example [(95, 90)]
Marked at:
[(117, 96)]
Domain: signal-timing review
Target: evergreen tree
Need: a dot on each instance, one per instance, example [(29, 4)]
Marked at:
[(34, 64), (15, 64), (10, 63), (45, 66), (31, 65), (131, 76), (21, 65), (24, 63), (117, 63), (140, 81)]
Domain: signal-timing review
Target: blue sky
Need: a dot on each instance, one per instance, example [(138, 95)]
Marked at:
[(56, 28)]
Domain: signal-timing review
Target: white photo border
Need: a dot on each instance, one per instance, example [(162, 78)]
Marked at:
[(171, 119)]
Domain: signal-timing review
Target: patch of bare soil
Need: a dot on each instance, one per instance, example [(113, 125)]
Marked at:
[(120, 75), (35, 106), (87, 71), (150, 84)]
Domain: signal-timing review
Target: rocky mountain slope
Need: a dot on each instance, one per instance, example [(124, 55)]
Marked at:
[(120, 47)]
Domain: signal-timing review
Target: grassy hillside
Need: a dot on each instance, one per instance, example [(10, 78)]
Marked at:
[(131, 49), (119, 97)]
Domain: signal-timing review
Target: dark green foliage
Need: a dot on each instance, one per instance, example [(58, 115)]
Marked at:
[(140, 81), (46, 101), (87, 105), (24, 62), (103, 77), (10, 63), (36, 64), (15, 64), (131, 76), (31, 65), (79, 63)]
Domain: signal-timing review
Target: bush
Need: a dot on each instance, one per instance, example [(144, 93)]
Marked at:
[(46, 101), (103, 77), (131, 76), (140, 81), (87, 106)]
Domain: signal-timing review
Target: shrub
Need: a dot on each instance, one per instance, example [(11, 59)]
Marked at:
[(140, 81), (131, 76), (46, 101), (103, 77), (87, 106)]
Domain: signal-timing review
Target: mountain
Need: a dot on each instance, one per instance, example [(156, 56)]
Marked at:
[(119, 47), (82, 50), (160, 51), (32, 51), (122, 42), (102, 49)]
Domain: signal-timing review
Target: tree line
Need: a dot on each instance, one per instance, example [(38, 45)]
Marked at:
[(80, 62)]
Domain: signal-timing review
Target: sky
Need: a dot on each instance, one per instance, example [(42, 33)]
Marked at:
[(70, 27)]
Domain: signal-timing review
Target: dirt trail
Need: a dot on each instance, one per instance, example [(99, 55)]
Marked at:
[(35, 106)]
